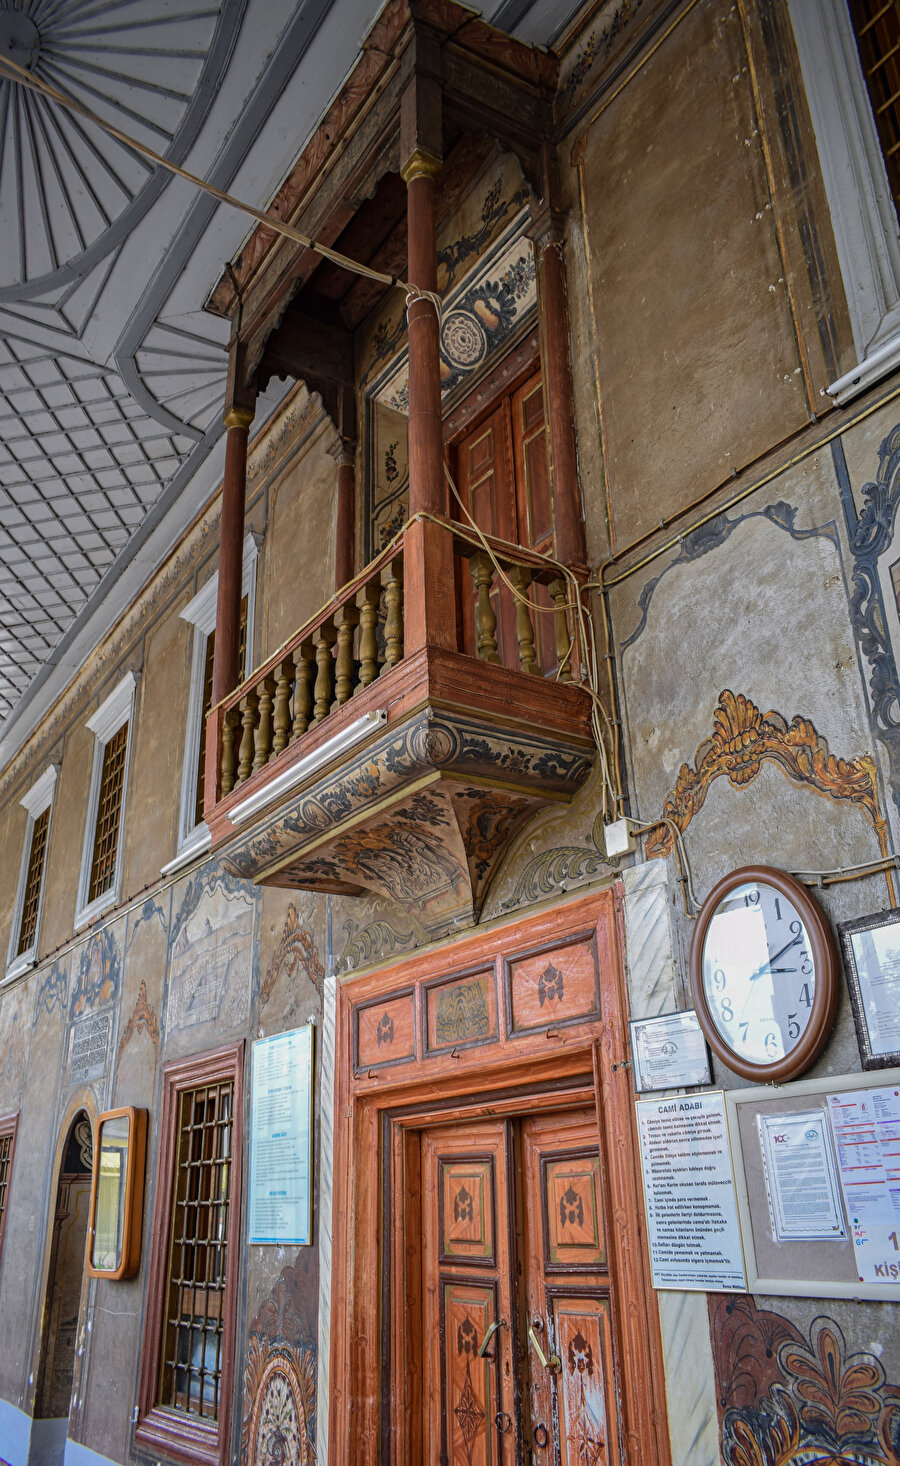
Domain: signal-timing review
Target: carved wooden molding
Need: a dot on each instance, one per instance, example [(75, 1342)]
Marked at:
[(743, 740)]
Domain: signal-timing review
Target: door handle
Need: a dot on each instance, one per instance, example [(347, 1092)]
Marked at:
[(554, 1363), (491, 1330)]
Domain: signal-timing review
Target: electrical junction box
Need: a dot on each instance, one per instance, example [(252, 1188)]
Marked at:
[(620, 838)]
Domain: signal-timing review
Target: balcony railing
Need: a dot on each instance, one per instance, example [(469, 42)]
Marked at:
[(358, 637)]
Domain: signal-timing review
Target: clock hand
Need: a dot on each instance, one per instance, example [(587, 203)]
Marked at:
[(774, 958)]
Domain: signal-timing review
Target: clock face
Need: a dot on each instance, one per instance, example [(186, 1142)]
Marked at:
[(758, 973)]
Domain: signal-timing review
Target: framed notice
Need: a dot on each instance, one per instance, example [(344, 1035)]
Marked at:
[(281, 1138), (817, 1165), (669, 1052), (871, 950), (692, 1220)]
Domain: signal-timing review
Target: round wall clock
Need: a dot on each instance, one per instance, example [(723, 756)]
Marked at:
[(764, 974)]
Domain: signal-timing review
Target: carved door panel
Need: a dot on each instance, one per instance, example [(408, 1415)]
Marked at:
[(468, 1393), (567, 1297), (518, 1361), (486, 474)]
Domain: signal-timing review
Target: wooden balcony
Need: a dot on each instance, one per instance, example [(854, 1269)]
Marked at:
[(345, 765)]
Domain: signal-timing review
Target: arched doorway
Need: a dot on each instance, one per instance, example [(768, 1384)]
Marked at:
[(63, 1297)]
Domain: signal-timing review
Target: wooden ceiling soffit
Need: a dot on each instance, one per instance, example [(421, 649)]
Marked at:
[(490, 83), (423, 816)]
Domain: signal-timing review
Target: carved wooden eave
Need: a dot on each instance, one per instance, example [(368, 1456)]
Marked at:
[(486, 82), (424, 812)]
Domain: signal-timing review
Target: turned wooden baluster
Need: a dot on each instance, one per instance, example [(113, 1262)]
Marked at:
[(323, 641), (368, 640), (248, 706), (344, 665), (559, 591), (520, 576), (393, 621), (229, 733), (281, 718), (303, 698), (482, 573), (262, 737)]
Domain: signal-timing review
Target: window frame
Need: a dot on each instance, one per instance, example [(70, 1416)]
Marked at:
[(863, 215), (113, 714), (38, 799), (193, 836), (158, 1428), (9, 1125)]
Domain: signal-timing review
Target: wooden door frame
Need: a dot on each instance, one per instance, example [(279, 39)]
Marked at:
[(377, 1110)]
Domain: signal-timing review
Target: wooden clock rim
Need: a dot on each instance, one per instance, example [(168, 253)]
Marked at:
[(824, 954)]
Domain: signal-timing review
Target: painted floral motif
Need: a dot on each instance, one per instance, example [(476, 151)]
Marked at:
[(468, 1409), (53, 989), (384, 1033), (278, 1427), (143, 1020), (550, 985), (98, 974), (296, 948), (790, 1401)]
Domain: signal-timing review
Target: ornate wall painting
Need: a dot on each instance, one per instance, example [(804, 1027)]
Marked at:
[(278, 1425), (17, 1014), (385, 1031), (296, 950), (787, 1398), (52, 993), (551, 987), (211, 954), (143, 1019), (873, 603), (98, 975), (743, 740)]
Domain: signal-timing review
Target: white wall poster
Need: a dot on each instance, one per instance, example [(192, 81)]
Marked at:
[(281, 1138), (801, 1177), (866, 1125), (695, 1240)]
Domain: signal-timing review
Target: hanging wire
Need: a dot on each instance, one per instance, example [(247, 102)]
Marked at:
[(12, 71)]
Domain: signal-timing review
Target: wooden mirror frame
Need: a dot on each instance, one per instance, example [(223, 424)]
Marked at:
[(132, 1211), (824, 953)]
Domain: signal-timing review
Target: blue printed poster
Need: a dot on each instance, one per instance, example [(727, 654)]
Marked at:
[(281, 1138)]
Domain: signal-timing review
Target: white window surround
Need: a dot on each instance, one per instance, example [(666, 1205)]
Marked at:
[(194, 838), (106, 721), (38, 798), (862, 210)]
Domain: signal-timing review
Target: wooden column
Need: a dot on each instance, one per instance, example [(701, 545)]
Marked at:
[(226, 668), (345, 533), (430, 603), (568, 522)]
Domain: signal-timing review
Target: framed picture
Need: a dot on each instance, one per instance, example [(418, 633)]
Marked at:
[(871, 950), (117, 1194), (669, 1052)]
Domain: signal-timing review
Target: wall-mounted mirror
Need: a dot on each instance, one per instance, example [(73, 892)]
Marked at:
[(117, 1194)]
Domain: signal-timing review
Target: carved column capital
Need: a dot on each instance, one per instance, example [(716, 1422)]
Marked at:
[(420, 164), (238, 417)]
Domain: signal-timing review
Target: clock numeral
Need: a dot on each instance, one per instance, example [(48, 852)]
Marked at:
[(752, 898), (793, 1026), (804, 997), (727, 1010), (777, 909), (771, 1045), (745, 1029), (796, 928), (806, 966), (719, 980)]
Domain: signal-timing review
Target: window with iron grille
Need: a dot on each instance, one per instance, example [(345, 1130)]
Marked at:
[(100, 863), (109, 815), (877, 29), (186, 1376), (27, 914), (7, 1148), (193, 836)]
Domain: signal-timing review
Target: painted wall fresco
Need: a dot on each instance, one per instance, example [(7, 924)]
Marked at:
[(790, 1395)]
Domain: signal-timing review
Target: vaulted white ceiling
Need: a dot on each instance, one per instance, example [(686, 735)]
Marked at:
[(111, 376)]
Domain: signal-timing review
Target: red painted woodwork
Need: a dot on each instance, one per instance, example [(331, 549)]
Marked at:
[(554, 319), (386, 1032), (226, 656), (546, 989), (174, 1433), (551, 1103), (345, 533), (462, 1011)]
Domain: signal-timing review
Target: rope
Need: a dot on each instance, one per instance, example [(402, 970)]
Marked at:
[(12, 71)]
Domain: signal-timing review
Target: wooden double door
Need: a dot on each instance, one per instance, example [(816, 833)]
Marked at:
[(518, 1362)]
